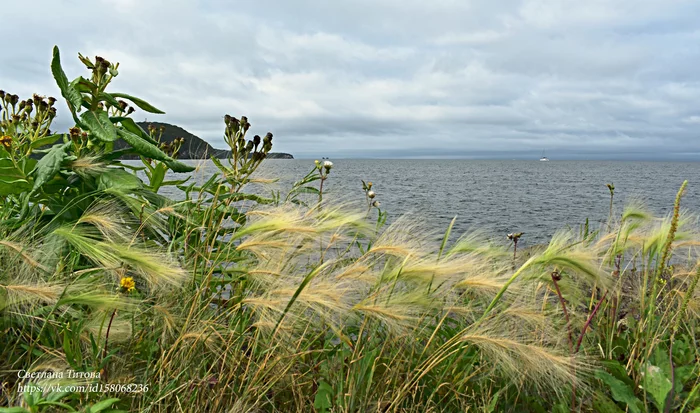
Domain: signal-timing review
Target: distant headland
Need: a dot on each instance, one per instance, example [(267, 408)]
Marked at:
[(193, 148)]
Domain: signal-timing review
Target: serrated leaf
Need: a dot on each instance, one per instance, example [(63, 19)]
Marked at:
[(142, 104), (99, 124), (67, 91), (620, 391)]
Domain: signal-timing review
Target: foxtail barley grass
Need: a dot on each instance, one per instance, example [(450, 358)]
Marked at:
[(385, 321)]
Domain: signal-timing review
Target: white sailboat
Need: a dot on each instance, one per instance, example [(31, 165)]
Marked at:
[(544, 158)]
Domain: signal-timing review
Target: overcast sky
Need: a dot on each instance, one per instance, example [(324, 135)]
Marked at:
[(389, 78)]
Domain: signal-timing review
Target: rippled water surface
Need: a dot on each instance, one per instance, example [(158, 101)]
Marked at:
[(499, 196)]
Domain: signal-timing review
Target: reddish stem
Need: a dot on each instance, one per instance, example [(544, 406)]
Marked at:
[(588, 322)]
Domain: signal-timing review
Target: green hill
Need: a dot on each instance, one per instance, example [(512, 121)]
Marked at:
[(194, 147)]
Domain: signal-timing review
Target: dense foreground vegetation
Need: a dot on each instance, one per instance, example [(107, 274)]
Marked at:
[(229, 301)]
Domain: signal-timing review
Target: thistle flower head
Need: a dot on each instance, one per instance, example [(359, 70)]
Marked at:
[(328, 165), (371, 194), (514, 236)]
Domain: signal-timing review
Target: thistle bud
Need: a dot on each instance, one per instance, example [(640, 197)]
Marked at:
[(8, 98), (376, 204), (369, 185), (123, 105), (21, 105), (256, 140), (15, 99), (15, 118), (227, 119), (52, 100), (249, 146), (43, 106), (52, 112), (130, 111), (162, 129), (37, 99), (2, 94), (371, 194), (35, 124), (328, 165), (100, 106)]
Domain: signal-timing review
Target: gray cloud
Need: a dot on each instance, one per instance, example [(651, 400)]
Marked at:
[(386, 78)]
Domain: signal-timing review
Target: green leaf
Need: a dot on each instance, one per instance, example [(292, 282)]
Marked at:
[(157, 176), (620, 391), (13, 410), (176, 182), (99, 406), (239, 196), (144, 148), (322, 401), (83, 85), (657, 384), (119, 179), (49, 165), (132, 127), (71, 95), (618, 371), (178, 166), (99, 124), (307, 190), (13, 179), (603, 404), (59, 404), (139, 102), (104, 96), (46, 140)]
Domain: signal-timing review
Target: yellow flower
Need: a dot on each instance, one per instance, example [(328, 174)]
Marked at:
[(6, 141), (128, 284)]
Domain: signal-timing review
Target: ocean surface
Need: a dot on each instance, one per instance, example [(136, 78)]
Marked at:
[(537, 198)]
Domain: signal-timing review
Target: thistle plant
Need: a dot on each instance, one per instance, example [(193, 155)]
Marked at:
[(514, 237), (323, 168), (370, 196), (611, 188), (246, 155)]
